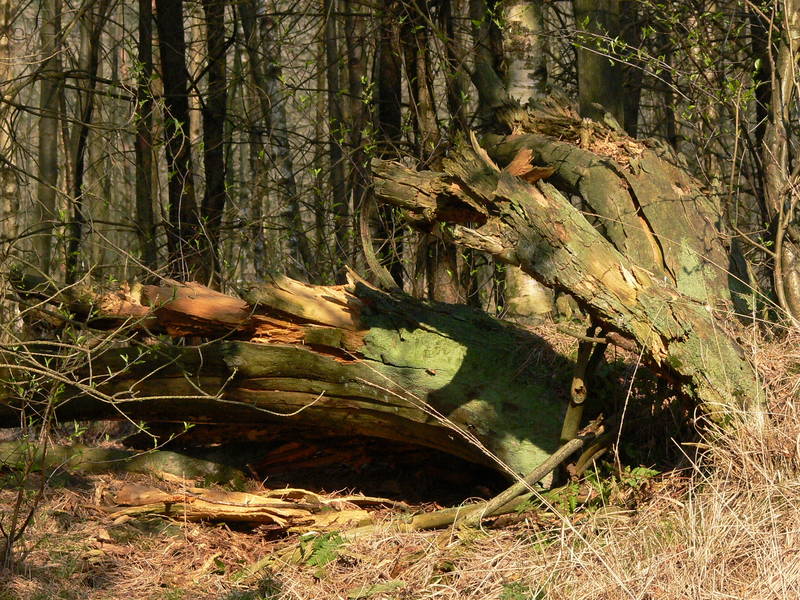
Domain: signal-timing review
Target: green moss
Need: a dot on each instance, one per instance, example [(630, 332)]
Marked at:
[(478, 371)]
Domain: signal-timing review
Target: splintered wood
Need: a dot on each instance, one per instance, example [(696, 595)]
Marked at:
[(193, 309), (288, 509)]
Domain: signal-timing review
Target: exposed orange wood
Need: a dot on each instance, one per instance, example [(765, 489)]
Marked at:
[(193, 309), (326, 305)]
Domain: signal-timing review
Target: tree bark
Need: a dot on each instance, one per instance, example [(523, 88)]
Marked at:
[(524, 49), (187, 246), (648, 208), (264, 62), (632, 69), (336, 135), (599, 78), (536, 227), (145, 220), (437, 262), (343, 359), (214, 114), (487, 53), (91, 25), (379, 233), (356, 37), (781, 198), (9, 222), (45, 213), (456, 84), (414, 40)]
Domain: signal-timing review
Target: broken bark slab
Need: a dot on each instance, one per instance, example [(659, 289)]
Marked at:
[(534, 226), (344, 359)]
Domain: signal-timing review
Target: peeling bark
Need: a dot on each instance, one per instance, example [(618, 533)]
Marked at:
[(537, 228), (649, 208)]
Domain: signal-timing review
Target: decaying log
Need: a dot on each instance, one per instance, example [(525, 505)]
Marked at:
[(474, 203), (634, 192), (345, 359)]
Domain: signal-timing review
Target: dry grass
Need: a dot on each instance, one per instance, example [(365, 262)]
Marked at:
[(726, 527)]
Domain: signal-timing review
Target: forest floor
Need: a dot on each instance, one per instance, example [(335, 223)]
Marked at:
[(723, 523)]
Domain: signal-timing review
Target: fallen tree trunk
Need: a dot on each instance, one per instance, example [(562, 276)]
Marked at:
[(633, 192), (525, 222), (344, 359)]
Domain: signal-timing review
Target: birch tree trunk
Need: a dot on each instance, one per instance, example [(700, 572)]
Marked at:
[(264, 62), (524, 49)]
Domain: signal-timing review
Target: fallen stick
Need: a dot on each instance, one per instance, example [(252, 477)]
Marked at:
[(490, 507), (505, 502)]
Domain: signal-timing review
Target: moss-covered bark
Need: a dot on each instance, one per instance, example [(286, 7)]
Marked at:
[(634, 193), (536, 227), (347, 359)]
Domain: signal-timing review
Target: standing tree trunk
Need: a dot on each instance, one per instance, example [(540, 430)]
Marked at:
[(526, 80), (357, 116), (380, 236), (145, 221), (781, 196), (632, 70), (264, 61), (487, 56), (186, 244), (667, 118), (9, 222), (599, 78), (44, 214), (214, 113), (92, 23), (524, 49), (252, 199), (389, 80), (436, 261), (336, 136), (414, 39), (455, 76)]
